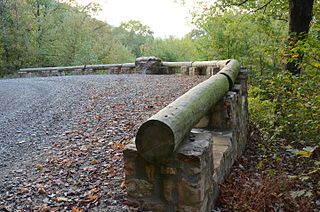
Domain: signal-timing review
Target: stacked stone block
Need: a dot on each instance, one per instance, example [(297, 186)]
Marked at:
[(152, 65), (184, 184)]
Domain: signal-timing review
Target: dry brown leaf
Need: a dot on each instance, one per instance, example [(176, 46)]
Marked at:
[(61, 199), (118, 146), (89, 199), (116, 158), (94, 191), (123, 185), (42, 191), (112, 172), (77, 210), (93, 162), (44, 208), (23, 191), (39, 167)]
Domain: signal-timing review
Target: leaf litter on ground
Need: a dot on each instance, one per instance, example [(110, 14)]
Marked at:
[(84, 168)]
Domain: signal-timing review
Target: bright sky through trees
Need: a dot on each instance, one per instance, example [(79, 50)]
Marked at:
[(165, 17)]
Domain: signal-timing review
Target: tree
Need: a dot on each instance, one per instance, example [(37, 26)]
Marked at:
[(297, 13), (50, 33), (133, 34), (300, 16), (171, 49)]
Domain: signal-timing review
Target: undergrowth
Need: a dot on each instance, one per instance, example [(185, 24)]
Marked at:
[(273, 186)]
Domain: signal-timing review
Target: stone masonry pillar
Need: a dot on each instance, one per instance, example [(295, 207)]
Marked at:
[(150, 65)]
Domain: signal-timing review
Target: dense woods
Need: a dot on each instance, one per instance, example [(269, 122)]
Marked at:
[(48, 33), (277, 40)]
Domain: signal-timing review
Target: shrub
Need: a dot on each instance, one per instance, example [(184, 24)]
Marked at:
[(288, 107)]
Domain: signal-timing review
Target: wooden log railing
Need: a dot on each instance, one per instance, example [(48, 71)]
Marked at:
[(161, 135), (219, 63), (82, 67), (144, 65)]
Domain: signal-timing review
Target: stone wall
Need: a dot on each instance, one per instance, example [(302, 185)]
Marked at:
[(189, 181), (142, 65)]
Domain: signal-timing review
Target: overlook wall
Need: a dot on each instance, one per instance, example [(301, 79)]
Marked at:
[(156, 66)]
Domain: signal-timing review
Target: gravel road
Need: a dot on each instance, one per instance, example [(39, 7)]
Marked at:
[(61, 138), (35, 111)]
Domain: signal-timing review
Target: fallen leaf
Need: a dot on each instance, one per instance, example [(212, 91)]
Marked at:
[(61, 199), (44, 208), (39, 167), (123, 185), (42, 191), (94, 162), (118, 146), (89, 199), (303, 154), (23, 191), (77, 210)]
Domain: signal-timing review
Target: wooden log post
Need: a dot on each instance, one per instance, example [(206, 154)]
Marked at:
[(160, 136)]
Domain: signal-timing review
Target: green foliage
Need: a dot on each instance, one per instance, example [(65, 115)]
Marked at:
[(255, 40), (288, 107), (133, 35), (137, 28), (311, 47), (37, 33), (119, 54), (262, 112), (171, 49), (281, 105)]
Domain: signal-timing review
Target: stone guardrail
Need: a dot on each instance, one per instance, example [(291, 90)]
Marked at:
[(127, 68), (181, 154), (154, 66)]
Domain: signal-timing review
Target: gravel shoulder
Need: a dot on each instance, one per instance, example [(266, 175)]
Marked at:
[(34, 112), (61, 138)]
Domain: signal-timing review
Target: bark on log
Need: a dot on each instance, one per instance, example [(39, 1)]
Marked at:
[(160, 136), (176, 64), (63, 68), (219, 63)]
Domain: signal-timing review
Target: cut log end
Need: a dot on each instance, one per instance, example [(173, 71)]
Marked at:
[(155, 141)]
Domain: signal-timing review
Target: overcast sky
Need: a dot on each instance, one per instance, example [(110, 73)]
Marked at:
[(164, 17)]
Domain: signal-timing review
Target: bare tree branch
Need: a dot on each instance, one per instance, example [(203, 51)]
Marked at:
[(242, 3), (263, 6)]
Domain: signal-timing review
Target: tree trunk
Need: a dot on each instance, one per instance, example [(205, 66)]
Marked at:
[(300, 16)]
